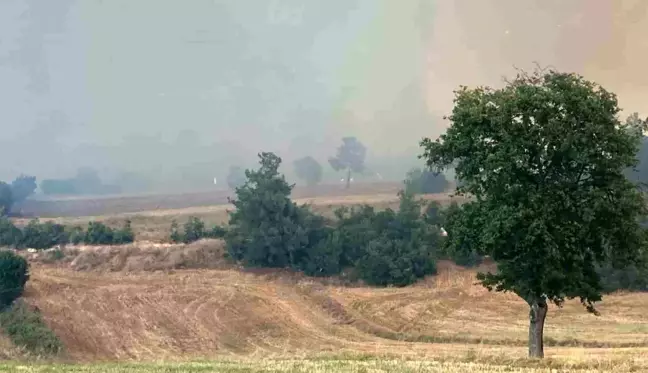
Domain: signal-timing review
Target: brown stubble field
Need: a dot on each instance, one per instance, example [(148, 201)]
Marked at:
[(184, 303)]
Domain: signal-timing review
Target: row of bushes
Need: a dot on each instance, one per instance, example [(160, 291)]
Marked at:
[(268, 229), (37, 235)]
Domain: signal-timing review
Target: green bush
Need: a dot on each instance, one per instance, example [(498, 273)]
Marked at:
[(124, 235), (193, 230), (98, 234), (26, 328), (10, 235), (387, 247), (268, 229), (14, 273), (76, 235), (420, 181), (38, 235)]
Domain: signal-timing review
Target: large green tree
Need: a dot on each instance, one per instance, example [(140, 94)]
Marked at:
[(543, 161)]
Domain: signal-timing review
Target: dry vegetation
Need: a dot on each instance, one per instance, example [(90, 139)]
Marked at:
[(128, 313)]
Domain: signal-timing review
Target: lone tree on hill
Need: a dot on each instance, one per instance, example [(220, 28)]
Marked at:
[(309, 170), (544, 160), (350, 157)]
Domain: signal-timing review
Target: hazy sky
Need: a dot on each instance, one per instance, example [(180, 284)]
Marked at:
[(163, 87)]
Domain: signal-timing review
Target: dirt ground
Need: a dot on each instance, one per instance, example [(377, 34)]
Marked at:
[(151, 303)]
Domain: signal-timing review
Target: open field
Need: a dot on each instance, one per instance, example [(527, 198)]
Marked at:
[(261, 318), (109, 205), (155, 225)]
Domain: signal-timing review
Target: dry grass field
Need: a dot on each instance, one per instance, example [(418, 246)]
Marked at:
[(117, 309), (110, 205), (155, 225), (252, 321)]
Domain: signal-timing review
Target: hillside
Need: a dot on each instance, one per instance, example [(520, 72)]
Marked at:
[(121, 311)]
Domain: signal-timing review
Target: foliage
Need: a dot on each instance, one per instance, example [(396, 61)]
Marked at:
[(124, 235), (26, 328), (194, 230), (76, 235), (22, 187), (267, 228), (387, 247), (420, 181), (235, 177), (350, 157), (10, 235), (98, 233), (461, 245), (6, 199), (403, 248), (14, 273), (544, 160), (309, 170), (38, 235)]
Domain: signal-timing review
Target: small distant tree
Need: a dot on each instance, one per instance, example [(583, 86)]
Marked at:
[(420, 181), (309, 170), (235, 177), (23, 187), (350, 157), (6, 199), (543, 160)]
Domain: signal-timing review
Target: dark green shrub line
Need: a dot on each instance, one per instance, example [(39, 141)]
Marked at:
[(194, 230), (22, 325), (37, 235)]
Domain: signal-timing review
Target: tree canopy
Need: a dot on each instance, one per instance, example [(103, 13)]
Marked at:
[(350, 157), (543, 160)]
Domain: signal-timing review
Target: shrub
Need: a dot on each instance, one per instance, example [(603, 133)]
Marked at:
[(387, 247), (194, 229), (217, 232), (267, 228), (10, 235), (124, 235), (13, 277), (76, 235), (420, 181), (98, 234), (26, 328), (176, 236), (38, 235)]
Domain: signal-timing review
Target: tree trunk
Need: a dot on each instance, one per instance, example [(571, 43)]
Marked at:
[(537, 316), (348, 179)]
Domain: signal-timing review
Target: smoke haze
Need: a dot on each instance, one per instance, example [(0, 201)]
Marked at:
[(177, 91)]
